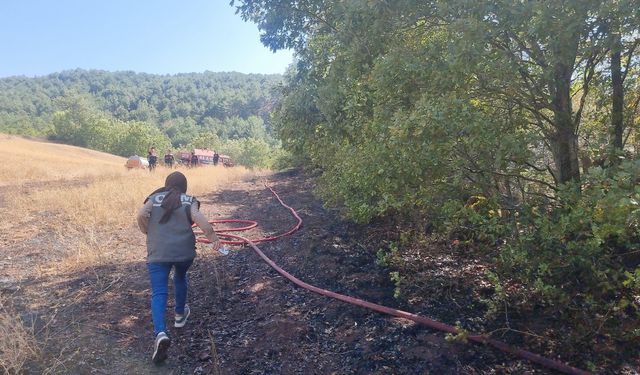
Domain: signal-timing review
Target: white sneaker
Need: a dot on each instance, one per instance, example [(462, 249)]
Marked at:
[(181, 320), (161, 347)]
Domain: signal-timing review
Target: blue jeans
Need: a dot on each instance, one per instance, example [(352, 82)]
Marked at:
[(159, 277)]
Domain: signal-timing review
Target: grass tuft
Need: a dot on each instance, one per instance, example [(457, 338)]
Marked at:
[(17, 341)]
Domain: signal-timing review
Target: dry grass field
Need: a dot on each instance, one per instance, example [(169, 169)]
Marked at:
[(66, 209)]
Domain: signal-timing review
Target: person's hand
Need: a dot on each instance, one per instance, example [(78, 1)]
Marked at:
[(215, 245)]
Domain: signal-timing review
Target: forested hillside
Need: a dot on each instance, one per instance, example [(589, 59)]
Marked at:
[(125, 112), (508, 130)]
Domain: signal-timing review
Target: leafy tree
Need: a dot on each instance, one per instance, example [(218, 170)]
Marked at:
[(71, 124), (250, 152), (139, 137), (537, 61), (206, 140)]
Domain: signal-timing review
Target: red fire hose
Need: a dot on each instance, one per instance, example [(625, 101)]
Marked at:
[(238, 240)]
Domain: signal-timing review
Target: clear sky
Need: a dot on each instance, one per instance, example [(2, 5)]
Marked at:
[(38, 37)]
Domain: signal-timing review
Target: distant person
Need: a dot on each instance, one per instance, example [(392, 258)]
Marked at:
[(168, 159), (153, 158), (194, 159), (166, 219), (216, 157), (185, 158)]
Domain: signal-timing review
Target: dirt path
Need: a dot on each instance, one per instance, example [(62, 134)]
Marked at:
[(246, 319)]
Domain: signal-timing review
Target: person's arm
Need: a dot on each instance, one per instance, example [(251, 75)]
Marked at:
[(202, 222), (143, 216)]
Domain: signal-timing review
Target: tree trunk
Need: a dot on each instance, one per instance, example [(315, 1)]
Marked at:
[(565, 154), (617, 97), (565, 140)]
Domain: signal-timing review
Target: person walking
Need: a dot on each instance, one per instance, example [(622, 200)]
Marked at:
[(194, 159), (153, 158), (216, 157), (166, 218), (168, 159)]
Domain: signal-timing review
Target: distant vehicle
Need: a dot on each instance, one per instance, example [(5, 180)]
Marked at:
[(225, 160), (205, 157), (136, 162), (183, 158)]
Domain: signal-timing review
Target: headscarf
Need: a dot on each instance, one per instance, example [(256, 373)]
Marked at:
[(175, 185)]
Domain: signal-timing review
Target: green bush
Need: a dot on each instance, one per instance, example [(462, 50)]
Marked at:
[(582, 247), (253, 152), (579, 259), (479, 221)]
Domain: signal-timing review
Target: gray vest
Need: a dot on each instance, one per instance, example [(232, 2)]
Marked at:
[(174, 240)]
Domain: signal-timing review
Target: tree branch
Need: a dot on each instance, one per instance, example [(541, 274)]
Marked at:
[(589, 71), (629, 57), (634, 108), (535, 55), (535, 180)]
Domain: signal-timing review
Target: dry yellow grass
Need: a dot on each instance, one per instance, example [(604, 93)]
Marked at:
[(17, 342), (79, 199), (27, 160), (88, 188), (82, 194)]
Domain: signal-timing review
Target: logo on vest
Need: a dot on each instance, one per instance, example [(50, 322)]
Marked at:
[(184, 199)]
